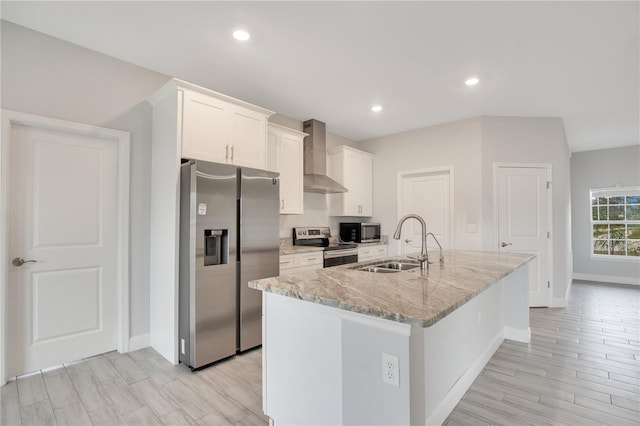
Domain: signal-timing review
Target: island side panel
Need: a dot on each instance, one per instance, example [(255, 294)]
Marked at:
[(516, 306), (367, 399), (302, 362), (456, 350)]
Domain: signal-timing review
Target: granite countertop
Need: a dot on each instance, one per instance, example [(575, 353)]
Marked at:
[(298, 249), (411, 296)]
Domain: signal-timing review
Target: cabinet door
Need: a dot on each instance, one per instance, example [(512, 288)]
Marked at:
[(287, 262), (358, 170), (380, 251), (365, 190), (205, 128), (290, 168), (273, 145), (313, 260), (364, 254), (353, 181), (248, 139)]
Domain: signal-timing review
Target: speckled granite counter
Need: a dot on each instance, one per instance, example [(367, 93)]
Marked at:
[(287, 247), (298, 249), (409, 296)]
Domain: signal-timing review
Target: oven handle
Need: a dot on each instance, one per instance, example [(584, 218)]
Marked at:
[(330, 254)]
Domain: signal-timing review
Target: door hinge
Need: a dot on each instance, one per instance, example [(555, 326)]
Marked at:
[(548, 284), (548, 184), (548, 235)]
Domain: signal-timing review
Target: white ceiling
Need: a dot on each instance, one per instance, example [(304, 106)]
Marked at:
[(333, 60)]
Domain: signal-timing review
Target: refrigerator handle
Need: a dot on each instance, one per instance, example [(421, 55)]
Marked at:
[(239, 228)]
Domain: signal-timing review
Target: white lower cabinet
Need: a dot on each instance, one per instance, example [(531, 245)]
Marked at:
[(292, 263), (371, 253)]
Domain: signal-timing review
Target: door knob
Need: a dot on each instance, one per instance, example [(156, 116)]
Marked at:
[(18, 261), (407, 241), (503, 244)]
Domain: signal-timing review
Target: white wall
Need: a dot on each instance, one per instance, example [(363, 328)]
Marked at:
[(472, 147), (531, 140), (454, 144), (600, 169), (49, 77)]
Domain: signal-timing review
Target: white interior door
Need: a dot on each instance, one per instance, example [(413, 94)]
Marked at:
[(427, 194), (62, 213), (523, 223)]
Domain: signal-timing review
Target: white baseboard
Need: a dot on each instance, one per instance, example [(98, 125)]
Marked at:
[(140, 341), (442, 411), (518, 334), (606, 278)]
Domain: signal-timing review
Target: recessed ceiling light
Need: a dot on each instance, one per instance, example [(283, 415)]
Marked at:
[(376, 108), (472, 81), (241, 35)]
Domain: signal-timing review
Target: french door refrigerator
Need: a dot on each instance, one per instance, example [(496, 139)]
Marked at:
[(229, 235)]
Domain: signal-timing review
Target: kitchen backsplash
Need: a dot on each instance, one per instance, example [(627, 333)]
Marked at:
[(316, 213)]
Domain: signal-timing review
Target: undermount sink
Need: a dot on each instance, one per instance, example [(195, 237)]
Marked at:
[(389, 267), (399, 266), (377, 270)]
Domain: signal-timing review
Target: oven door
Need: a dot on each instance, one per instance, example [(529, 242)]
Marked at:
[(340, 257)]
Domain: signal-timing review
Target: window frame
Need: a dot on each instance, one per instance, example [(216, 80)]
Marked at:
[(611, 192)]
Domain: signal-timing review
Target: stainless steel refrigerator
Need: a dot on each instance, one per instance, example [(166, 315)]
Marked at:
[(229, 235)]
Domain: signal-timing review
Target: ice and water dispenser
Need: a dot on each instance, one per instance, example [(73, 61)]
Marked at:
[(216, 247)]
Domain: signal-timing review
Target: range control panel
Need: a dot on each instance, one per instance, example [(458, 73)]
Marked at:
[(311, 233)]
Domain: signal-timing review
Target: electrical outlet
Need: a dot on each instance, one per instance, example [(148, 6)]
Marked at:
[(390, 370)]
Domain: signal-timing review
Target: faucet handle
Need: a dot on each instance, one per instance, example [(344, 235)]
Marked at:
[(419, 258)]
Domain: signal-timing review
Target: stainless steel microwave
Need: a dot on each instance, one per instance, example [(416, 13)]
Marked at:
[(360, 232)]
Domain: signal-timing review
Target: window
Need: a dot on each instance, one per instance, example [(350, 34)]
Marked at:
[(615, 222)]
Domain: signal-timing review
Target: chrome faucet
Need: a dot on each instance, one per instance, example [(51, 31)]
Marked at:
[(424, 256), (438, 243)]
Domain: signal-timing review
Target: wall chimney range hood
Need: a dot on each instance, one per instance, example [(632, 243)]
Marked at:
[(315, 160)]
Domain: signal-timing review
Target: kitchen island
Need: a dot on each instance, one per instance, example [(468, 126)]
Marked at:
[(328, 335)]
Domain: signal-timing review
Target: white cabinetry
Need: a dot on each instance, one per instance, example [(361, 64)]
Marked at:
[(284, 155), (292, 263), (215, 129), (366, 253), (189, 122), (354, 170)]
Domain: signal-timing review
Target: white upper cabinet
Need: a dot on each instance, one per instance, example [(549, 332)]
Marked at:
[(218, 128), (205, 129), (248, 138), (354, 170), (285, 148)]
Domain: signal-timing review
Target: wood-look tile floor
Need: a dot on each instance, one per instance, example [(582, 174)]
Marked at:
[(138, 388), (581, 368)]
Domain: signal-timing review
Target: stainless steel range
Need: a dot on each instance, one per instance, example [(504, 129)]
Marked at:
[(334, 253)]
